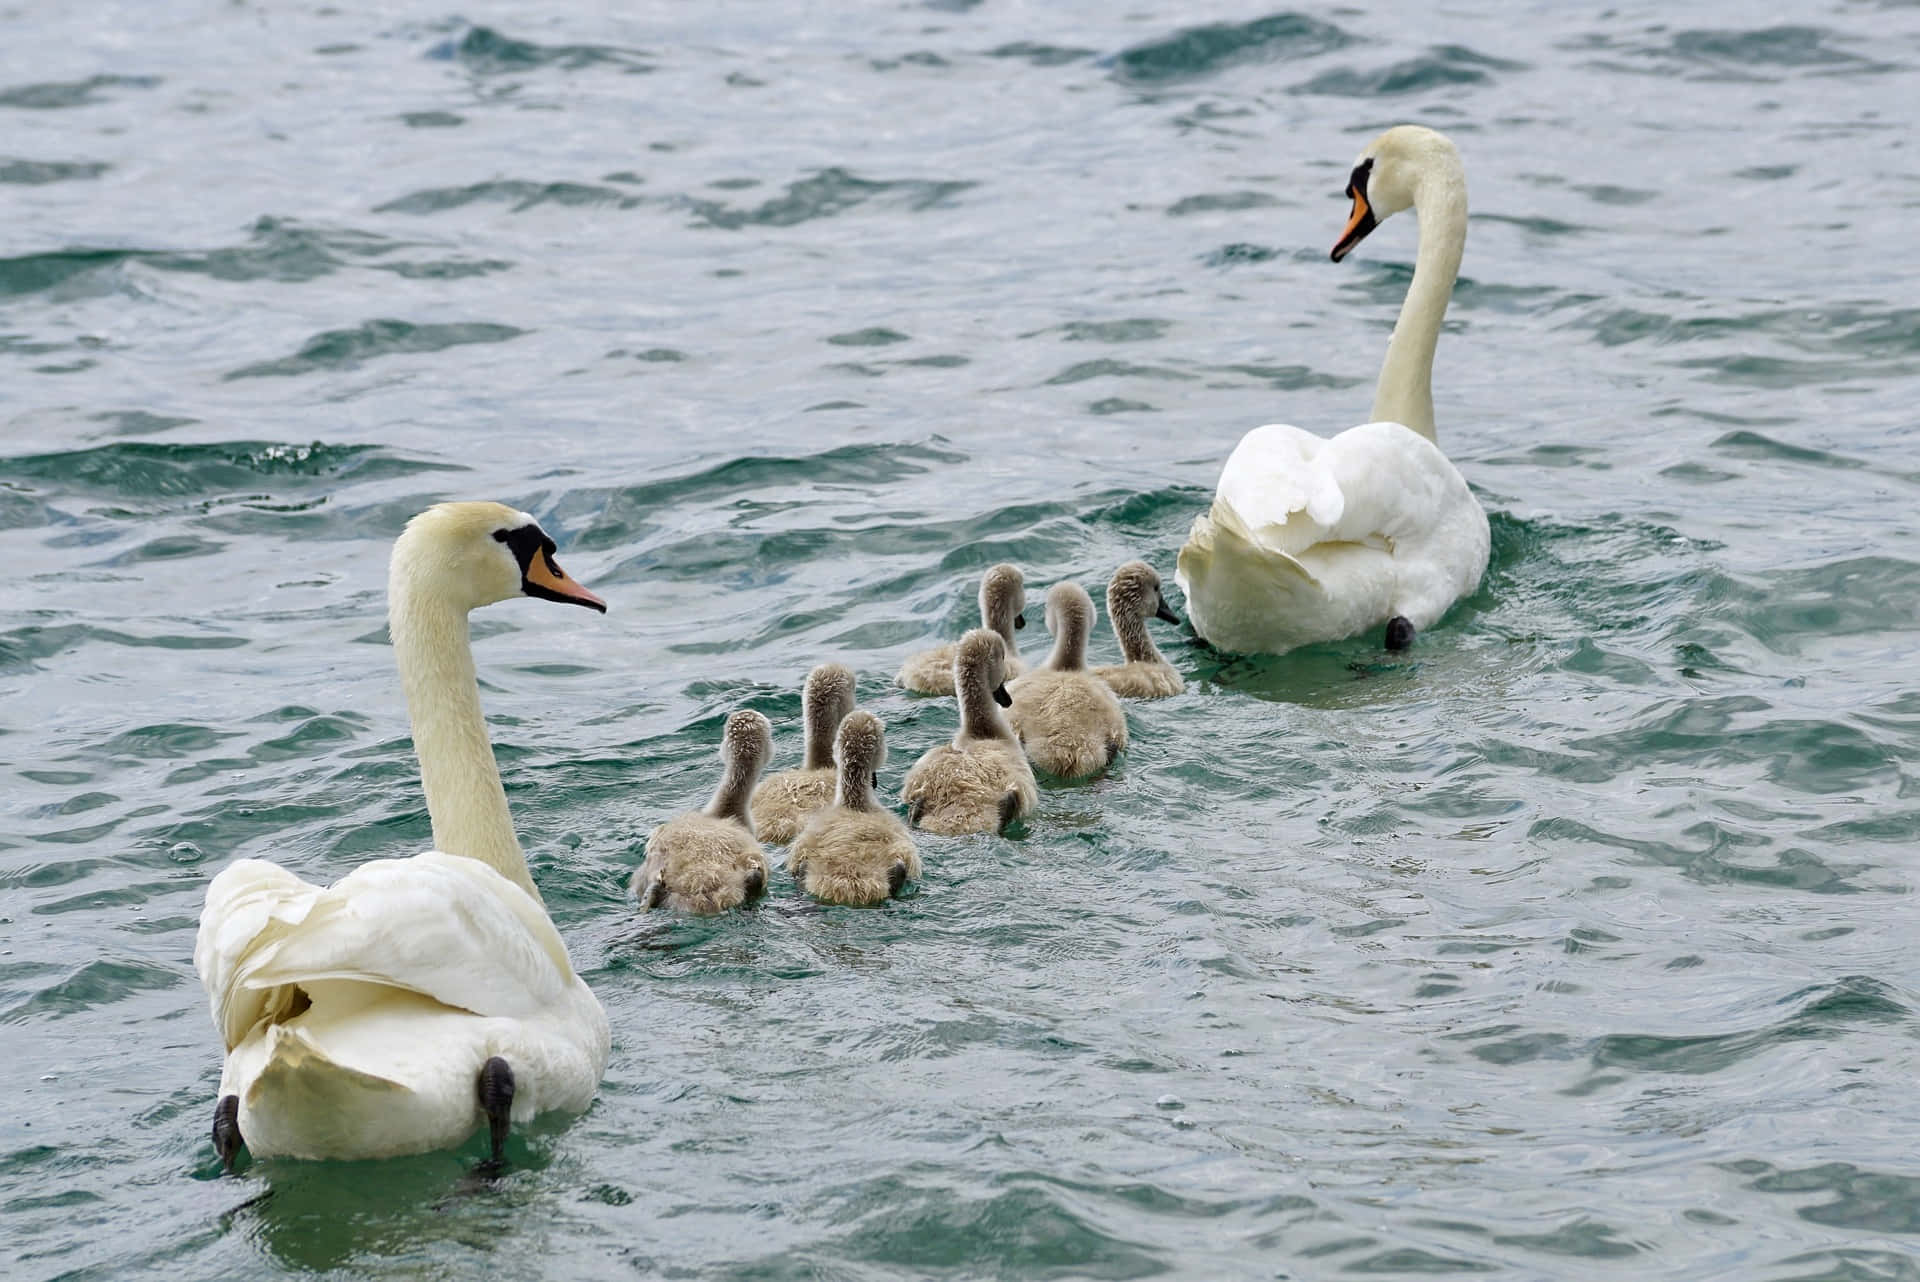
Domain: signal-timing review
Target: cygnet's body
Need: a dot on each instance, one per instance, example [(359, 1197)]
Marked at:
[(783, 801), (1067, 719), (1133, 596), (853, 852), (708, 861), (981, 781), (1003, 604)]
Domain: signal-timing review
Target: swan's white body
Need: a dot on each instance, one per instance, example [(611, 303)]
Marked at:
[(1314, 539), (357, 1016), (418, 970)]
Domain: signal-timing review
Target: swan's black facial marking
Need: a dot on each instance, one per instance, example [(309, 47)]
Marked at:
[(1020, 619), (1001, 697), (540, 575), (527, 542), (1362, 220), (1357, 182), (876, 779)]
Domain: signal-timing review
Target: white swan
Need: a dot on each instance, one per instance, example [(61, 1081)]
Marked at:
[(399, 1008), (1313, 539)]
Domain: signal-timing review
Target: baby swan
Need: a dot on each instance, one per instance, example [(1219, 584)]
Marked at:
[(853, 852), (707, 861), (1132, 595), (1003, 604), (1068, 720), (782, 802), (981, 781)]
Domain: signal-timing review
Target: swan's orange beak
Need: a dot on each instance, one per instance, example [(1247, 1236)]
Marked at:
[(545, 578), (1358, 225)]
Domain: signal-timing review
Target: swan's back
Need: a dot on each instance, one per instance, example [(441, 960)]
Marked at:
[(445, 927), (358, 1015)]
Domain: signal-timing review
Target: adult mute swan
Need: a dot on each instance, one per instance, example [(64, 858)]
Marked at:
[(1313, 539), (395, 1010)]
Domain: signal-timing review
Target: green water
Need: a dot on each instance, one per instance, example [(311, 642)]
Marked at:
[(1577, 942)]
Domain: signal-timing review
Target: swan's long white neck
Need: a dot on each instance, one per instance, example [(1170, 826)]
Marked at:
[(465, 799), (1405, 391)]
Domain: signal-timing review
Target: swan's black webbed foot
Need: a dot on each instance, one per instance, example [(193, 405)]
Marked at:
[(1399, 632), (496, 1101), (226, 1131)]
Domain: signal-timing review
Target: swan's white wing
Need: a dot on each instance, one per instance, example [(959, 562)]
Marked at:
[(1372, 484), (443, 926), (1281, 489)]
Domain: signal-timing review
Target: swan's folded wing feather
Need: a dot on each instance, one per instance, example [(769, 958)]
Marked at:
[(1397, 483), (1281, 490), (443, 926), (251, 904)]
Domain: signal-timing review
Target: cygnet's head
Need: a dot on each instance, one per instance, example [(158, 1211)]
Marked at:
[(746, 743), (474, 554), (829, 692), (1134, 593), (1069, 611), (982, 656), (1003, 599), (1387, 177), (860, 748)]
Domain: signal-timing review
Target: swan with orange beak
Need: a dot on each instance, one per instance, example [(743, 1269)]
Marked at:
[(1314, 538)]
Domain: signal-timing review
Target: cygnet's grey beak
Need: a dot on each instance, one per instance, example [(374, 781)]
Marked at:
[(876, 778), (1001, 697), (1020, 619), (1165, 613)]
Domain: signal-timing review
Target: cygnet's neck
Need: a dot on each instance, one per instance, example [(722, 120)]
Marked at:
[(1130, 628), (736, 789), (853, 787), (826, 701), (465, 799), (1070, 643)]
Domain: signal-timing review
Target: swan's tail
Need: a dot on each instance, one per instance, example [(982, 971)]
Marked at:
[(1240, 594), (300, 1102)]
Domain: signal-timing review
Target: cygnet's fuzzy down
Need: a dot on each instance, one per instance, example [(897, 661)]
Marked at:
[(853, 852), (708, 861)]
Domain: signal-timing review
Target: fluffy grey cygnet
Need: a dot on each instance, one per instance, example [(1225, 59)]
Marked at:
[(1067, 719), (1134, 596), (707, 861), (854, 852), (981, 781), (1003, 604), (783, 801)]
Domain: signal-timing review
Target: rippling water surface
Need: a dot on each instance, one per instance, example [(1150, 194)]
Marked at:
[(1576, 943)]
